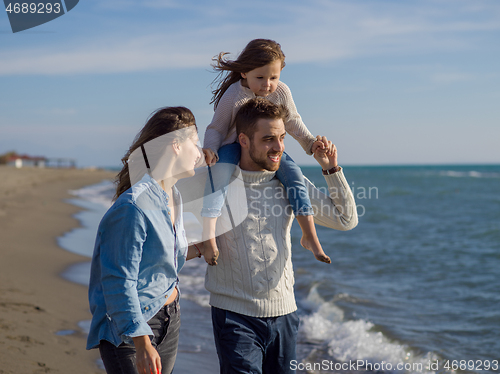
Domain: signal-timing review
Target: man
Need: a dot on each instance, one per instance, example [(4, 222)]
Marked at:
[(251, 287)]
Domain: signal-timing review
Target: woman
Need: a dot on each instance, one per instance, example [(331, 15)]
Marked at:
[(140, 247)]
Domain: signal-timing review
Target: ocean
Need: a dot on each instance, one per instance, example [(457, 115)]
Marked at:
[(414, 288)]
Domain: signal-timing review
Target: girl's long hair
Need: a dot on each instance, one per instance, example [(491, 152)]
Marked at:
[(161, 122), (257, 53)]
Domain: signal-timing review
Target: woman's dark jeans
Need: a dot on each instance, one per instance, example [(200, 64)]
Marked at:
[(165, 325)]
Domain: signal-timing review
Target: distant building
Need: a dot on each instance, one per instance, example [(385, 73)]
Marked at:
[(21, 161), (60, 162)]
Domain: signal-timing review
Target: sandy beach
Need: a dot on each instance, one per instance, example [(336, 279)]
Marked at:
[(35, 302)]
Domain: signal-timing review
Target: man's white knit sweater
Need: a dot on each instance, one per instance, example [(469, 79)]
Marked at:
[(254, 275), (221, 130)]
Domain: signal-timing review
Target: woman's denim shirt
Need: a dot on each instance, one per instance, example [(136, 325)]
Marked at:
[(137, 257)]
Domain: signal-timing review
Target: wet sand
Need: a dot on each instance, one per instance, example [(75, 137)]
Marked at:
[(35, 302)]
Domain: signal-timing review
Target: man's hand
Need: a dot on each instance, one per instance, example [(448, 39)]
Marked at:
[(210, 157), (148, 359), (327, 156)]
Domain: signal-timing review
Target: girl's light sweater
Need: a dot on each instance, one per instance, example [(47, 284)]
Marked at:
[(222, 131), (254, 275)]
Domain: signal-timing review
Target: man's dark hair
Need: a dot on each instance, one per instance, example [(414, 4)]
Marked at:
[(255, 109)]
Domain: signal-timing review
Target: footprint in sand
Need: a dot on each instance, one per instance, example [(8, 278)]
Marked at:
[(25, 339)]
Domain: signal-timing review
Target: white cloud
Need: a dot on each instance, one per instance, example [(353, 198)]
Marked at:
[(317, 31), (123, 5), (138, 54)]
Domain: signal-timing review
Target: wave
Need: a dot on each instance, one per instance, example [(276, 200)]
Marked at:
[(100, 193), (193, 288), (468, 174), (356, 341)]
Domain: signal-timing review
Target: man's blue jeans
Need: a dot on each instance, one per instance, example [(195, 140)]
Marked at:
[(253, 345)]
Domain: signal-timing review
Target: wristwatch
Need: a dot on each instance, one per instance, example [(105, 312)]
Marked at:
[(332, 170)]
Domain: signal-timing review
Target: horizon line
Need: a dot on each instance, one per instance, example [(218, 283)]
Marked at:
[(118, 167)]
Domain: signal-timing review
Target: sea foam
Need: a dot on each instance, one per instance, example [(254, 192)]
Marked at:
[(354, 340)]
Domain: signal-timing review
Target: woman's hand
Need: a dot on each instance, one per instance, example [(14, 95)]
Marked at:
[(210, 157), (194, 250), (148, 359)]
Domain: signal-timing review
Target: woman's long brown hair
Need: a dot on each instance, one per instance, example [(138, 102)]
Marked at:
[(257, 53), (161, 122)]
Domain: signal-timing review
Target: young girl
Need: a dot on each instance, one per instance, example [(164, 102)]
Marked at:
[(256, 72), (140, 247)]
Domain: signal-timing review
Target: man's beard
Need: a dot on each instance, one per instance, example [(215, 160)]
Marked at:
[(264, 162)]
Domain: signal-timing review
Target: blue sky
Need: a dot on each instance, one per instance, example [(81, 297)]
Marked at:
[(390, 82)]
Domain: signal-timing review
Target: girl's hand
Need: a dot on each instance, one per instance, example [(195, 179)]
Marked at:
[(327, 157), (323, 145), (317, 145), (148, 360), (210, 157)]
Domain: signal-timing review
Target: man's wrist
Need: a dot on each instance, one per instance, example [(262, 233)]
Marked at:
[(331, 170)]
